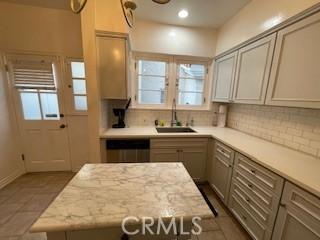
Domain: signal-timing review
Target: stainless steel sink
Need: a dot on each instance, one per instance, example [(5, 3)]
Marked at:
[(175, 130)]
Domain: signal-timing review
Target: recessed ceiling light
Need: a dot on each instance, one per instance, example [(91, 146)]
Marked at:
[(183, 13)]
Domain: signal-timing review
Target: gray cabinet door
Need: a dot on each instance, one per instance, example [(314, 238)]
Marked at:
[(299, 215), (295, 74), (194, 160), (112, 67), (253, 71), (222, 166), (224, 77), (221, 179)]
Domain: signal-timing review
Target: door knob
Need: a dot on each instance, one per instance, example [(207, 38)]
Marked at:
[(63, 126), (61, 115)]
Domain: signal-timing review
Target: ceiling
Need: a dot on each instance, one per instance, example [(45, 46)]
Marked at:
[(59, 4), (202, 13)]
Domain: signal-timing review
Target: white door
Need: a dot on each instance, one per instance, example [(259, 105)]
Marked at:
[(34, 81)]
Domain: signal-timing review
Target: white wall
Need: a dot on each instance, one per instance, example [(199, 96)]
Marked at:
[(11, 165), (153, 37), (30, 28), (257, 17)]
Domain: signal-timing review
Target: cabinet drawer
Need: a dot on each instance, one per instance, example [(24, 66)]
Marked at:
[(255, 229), (178, 143), (301, 201), (224, 151), (260, 175), (269, 200), (251, 204)]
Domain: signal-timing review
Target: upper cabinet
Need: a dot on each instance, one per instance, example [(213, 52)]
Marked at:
[(224, 76), (253, 70), (295, 74), (112, 66)]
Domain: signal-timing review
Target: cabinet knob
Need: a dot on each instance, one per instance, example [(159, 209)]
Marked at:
[(244, 218), (253, 171), (248, 200), (282, 205), (250, 185)]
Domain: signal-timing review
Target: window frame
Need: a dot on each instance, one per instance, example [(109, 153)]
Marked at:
[(172, 80), (206, 83), (69, 86), (16, 91), (135, 86)]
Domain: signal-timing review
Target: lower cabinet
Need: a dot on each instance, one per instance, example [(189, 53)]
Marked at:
[(266, 205), (222, 164), (299, 215), (254, 197), (192, 152)]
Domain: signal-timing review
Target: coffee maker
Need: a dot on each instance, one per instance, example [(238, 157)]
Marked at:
[(120, 113)]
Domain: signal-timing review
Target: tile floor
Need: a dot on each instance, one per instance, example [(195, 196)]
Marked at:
[(22, 201)]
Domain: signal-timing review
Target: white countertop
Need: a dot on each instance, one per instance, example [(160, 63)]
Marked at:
[(102, 195), (299, 168)]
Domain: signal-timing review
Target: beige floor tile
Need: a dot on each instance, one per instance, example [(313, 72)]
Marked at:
[(21, 196), (212, 235), (231, 229), (218, 205), (7, 211), (209, 225), (9, 190), (3, 198), (34, 236), (38, 203), (18, 224), (193, 237), (9, 238)]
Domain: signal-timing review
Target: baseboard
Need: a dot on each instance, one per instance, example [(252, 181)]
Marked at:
[(5, 181)]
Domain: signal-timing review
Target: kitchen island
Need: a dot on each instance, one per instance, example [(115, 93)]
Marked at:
[(97, 200)]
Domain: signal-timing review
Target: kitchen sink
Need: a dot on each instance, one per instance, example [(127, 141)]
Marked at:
[(175, 130)]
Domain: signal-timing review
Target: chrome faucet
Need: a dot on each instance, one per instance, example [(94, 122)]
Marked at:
[(174, 119)]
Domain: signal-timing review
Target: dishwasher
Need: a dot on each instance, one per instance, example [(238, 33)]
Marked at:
[(128, 150)]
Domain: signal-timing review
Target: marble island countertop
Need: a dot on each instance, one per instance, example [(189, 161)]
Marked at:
[(299, 168), (102, 195)]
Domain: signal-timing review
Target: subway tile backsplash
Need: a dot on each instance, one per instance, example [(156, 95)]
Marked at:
[(144, 117), (296, 128)]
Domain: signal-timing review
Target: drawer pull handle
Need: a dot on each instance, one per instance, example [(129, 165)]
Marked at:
[(229, 166), (253, 171), (244, 218), (248, 200), (250, 185), (282, 205)]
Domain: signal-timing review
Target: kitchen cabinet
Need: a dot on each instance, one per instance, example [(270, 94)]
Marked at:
[(254, 197), (295, 72), (222, 170), (192, 152), (112, 66), (224, 77), (253, 70), (299, 215)]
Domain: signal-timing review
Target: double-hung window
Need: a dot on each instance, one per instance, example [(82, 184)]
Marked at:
[(152, 82), (161, 79)]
